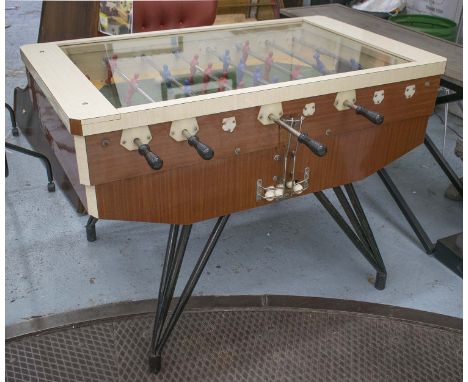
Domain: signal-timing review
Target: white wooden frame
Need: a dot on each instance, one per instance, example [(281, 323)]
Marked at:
[(76, 100)]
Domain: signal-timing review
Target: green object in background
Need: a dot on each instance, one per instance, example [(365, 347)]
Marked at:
[(432, 25)]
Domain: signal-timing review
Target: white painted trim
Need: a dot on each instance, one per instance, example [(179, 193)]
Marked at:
[(82, 159), (91, 201)]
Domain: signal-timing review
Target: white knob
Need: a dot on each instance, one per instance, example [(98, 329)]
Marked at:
[(270, 194), (298, 188), (279, 191)]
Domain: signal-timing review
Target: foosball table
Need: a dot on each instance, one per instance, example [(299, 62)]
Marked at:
[(186, 125)]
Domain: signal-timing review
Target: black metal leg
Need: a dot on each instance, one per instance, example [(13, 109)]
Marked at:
[(14, 128), (362, 236), (7, 170), (91, 229), (35, 154), (444, 165), (172, 263), (407, 212)]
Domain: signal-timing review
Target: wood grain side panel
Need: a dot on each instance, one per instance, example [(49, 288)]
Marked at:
[(188, 194), (50, 136), (206, 190), (111, 162)]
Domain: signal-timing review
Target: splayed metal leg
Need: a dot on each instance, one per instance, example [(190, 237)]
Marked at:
[(176, 246), (359, 232)]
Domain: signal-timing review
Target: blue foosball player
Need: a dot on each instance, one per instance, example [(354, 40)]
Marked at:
[(257, 75), (226, 61), (187, 88), (166, 75), (319, 65)]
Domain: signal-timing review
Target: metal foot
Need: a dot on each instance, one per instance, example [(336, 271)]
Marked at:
[(91, 229), (175, 251), (154, 363), (359, 232), (380, 280)]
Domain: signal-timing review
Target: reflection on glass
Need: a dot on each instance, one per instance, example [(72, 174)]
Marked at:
[(153, 69)]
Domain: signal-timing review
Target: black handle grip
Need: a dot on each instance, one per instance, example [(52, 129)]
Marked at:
[(372, 116), (317, 148), (203, 150), (154, 161)]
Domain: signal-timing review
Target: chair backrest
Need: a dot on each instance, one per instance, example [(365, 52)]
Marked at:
[(159, 15)]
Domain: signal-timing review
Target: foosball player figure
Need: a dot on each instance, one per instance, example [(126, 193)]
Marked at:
[(355, 65), (256, 76), (206, 76), (245, 51), (222, 83), (166, 75), (132, 84), (295, 73), (319, 65), (193, 67), (187, 88), (267, 67), (240, 72), (111, 64), (226, 61)]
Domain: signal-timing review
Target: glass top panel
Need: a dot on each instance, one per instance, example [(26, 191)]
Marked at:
[(159, 68)]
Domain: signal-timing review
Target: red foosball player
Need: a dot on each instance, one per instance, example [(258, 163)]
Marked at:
[(193, 67), (111, 64), (295, 72), (206, 76), (245, 51), (132, 84), (267, 67), (222, 83)]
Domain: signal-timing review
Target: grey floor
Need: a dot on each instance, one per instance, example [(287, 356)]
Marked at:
[(292, 247)]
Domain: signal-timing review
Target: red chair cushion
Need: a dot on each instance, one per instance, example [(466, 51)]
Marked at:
[(158, 15)]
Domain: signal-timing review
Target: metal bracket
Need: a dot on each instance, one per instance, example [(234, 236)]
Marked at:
[(378, 97), (349, 95), (190, 124), (275, 108), (129, 135), (309, 109), (409, 91), (229, 124)]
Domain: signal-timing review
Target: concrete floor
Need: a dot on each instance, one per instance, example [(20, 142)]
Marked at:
[(292, 247)]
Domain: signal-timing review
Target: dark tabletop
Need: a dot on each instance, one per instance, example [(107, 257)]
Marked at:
[(453, 52)]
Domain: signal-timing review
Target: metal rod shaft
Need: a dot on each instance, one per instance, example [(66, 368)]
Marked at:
[(172, 79), (135, 86), (288, 52), (274, 64), (284, 125), (200, 69), (246, 71)]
